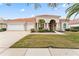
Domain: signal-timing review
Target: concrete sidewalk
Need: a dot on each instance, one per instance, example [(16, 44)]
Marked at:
[(38, 52), (51, 33)]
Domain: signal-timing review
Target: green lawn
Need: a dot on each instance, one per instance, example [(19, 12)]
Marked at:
[(70, 40)]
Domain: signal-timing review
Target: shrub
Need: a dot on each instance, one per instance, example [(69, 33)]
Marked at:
[(33, 30), (52, 31), (74, 30), (41, 30), (67, 29), (45, 30), (4, 29), (1, 30)]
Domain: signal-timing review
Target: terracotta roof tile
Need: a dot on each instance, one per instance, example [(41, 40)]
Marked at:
[(22, 20), (75, 21), (47, 16)]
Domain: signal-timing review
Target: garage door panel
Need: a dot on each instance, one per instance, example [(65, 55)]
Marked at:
[(15, 27)]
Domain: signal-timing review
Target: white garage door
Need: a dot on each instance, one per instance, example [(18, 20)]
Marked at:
[(15, 27)]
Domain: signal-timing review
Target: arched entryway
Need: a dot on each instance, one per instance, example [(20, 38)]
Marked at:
[(52, 25)]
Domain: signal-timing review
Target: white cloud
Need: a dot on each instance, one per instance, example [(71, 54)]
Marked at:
[(32, 16), (64, 5), (22, 10)]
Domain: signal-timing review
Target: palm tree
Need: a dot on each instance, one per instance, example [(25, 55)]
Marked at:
[(73, 10), (37, 5)]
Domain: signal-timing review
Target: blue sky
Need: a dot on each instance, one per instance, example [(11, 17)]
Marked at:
[(21, 10)]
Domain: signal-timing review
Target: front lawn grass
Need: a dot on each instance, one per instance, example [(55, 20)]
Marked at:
[(70, 40)]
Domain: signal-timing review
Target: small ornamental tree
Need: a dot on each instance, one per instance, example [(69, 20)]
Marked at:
[(41, 24)]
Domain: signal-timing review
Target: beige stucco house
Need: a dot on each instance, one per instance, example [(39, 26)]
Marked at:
[(54, 22)]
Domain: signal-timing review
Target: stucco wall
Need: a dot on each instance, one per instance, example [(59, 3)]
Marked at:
[(62, 26), (30, 25), (20, 26), (74, 25), (48, 19)]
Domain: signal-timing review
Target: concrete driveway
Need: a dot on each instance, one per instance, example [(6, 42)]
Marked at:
[(8, 38)]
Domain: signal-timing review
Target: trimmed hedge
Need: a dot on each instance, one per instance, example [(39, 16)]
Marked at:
[(74, 30)]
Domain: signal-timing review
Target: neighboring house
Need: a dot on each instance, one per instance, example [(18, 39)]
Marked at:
[(53, 22), (64, 23), (3, 24), (74, 23)]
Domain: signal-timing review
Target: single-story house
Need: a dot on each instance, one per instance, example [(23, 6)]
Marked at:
[(51, 22), (74, 23), (54, 22)]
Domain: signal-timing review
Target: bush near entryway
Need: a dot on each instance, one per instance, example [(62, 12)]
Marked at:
[(67, 29), (33, 30), (45, 30)]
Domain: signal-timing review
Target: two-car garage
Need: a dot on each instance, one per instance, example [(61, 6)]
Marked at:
[(15, 27), (21, 24)]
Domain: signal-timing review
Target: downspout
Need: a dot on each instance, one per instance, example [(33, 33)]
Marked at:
[(25, 24), (60, 25)]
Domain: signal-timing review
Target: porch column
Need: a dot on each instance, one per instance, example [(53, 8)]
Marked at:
[(48, 26), (37, 26), (45, 26)]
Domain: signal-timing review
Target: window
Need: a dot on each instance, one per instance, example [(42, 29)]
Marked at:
[(64, 25)]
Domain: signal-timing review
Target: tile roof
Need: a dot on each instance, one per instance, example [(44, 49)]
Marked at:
[(47, 16), (22, 20), (2, 21), (75, 21)]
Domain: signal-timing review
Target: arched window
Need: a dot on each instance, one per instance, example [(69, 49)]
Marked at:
[(52, 25)]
